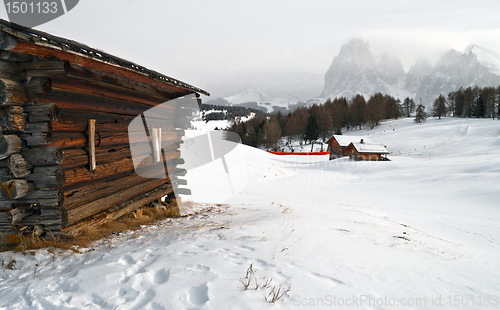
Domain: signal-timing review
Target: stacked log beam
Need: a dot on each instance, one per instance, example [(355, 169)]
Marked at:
[(78, 95), (45, 107), (16, 190)]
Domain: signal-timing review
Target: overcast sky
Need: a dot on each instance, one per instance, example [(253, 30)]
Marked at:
[(274, 46)]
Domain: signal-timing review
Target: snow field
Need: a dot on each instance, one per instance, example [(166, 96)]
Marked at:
[(418, 232)]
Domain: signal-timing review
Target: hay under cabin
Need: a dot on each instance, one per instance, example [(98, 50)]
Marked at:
[(64, 146)]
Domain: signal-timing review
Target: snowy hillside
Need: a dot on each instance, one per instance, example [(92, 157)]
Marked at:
[(417, 232)]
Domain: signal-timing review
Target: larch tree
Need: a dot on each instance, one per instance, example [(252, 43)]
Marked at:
[(374, 111), (323, 120), (357, 111), (439, 106), (408, 106), (272, 134)]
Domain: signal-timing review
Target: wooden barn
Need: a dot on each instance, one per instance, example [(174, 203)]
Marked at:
[(338, 145), (367, 151), (64, 145)]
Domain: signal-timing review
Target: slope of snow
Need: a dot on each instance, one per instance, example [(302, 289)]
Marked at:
[(249, 98), (418, 232)]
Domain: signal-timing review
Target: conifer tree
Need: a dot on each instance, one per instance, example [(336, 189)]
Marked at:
[(420, 114), (439, 106), (311, 129), (408, 106)]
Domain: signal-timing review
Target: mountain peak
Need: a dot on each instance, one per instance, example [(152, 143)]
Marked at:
[(485, 57), (355, 45), (356, 71), (356, 50)]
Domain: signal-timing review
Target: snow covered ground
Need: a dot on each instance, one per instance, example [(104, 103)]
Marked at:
[(418, 232)]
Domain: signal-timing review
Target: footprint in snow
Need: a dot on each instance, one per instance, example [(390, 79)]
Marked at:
[(323, 277), (198, 295), (126, 260), (160, 276), (128, 294), (245, 248)]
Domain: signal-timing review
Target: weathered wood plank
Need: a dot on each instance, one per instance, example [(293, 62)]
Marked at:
[(99, 205), (12, 119), (91, 64), (38, 87), (55, 195), (79, 140), (38, 127), (43, 156), (109, 90), (124, 208), (18, 214), (18, 166), (46, 65), (81, 193), (13, 189), (47, 112), (10, 70), (14, 57), (5, 175), (5, 205), (83, 174), (76, 120), (47, 177), (77, 157), (69, 100), (79, 175), (9, 144), (11, 93)]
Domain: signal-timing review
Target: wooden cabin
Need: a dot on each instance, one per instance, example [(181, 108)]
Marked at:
[(367, 151), (338, 145), (64, 146)]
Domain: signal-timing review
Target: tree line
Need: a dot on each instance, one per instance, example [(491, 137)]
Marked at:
[(319, 122), (316, 122), (469, 102)]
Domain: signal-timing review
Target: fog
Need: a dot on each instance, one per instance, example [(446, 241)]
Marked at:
[(273, 46)]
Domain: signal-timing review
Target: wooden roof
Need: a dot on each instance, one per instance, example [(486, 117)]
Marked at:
[(21, 39), (374, 148), (345, 140)]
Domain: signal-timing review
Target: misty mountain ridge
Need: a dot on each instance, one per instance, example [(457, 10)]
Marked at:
[(357, 71), (256, 100)]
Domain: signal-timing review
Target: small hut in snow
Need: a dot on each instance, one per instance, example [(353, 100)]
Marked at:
[(338, 145), (367, 151)]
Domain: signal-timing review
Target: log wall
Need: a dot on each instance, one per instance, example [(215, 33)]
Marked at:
[(47, 97)]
